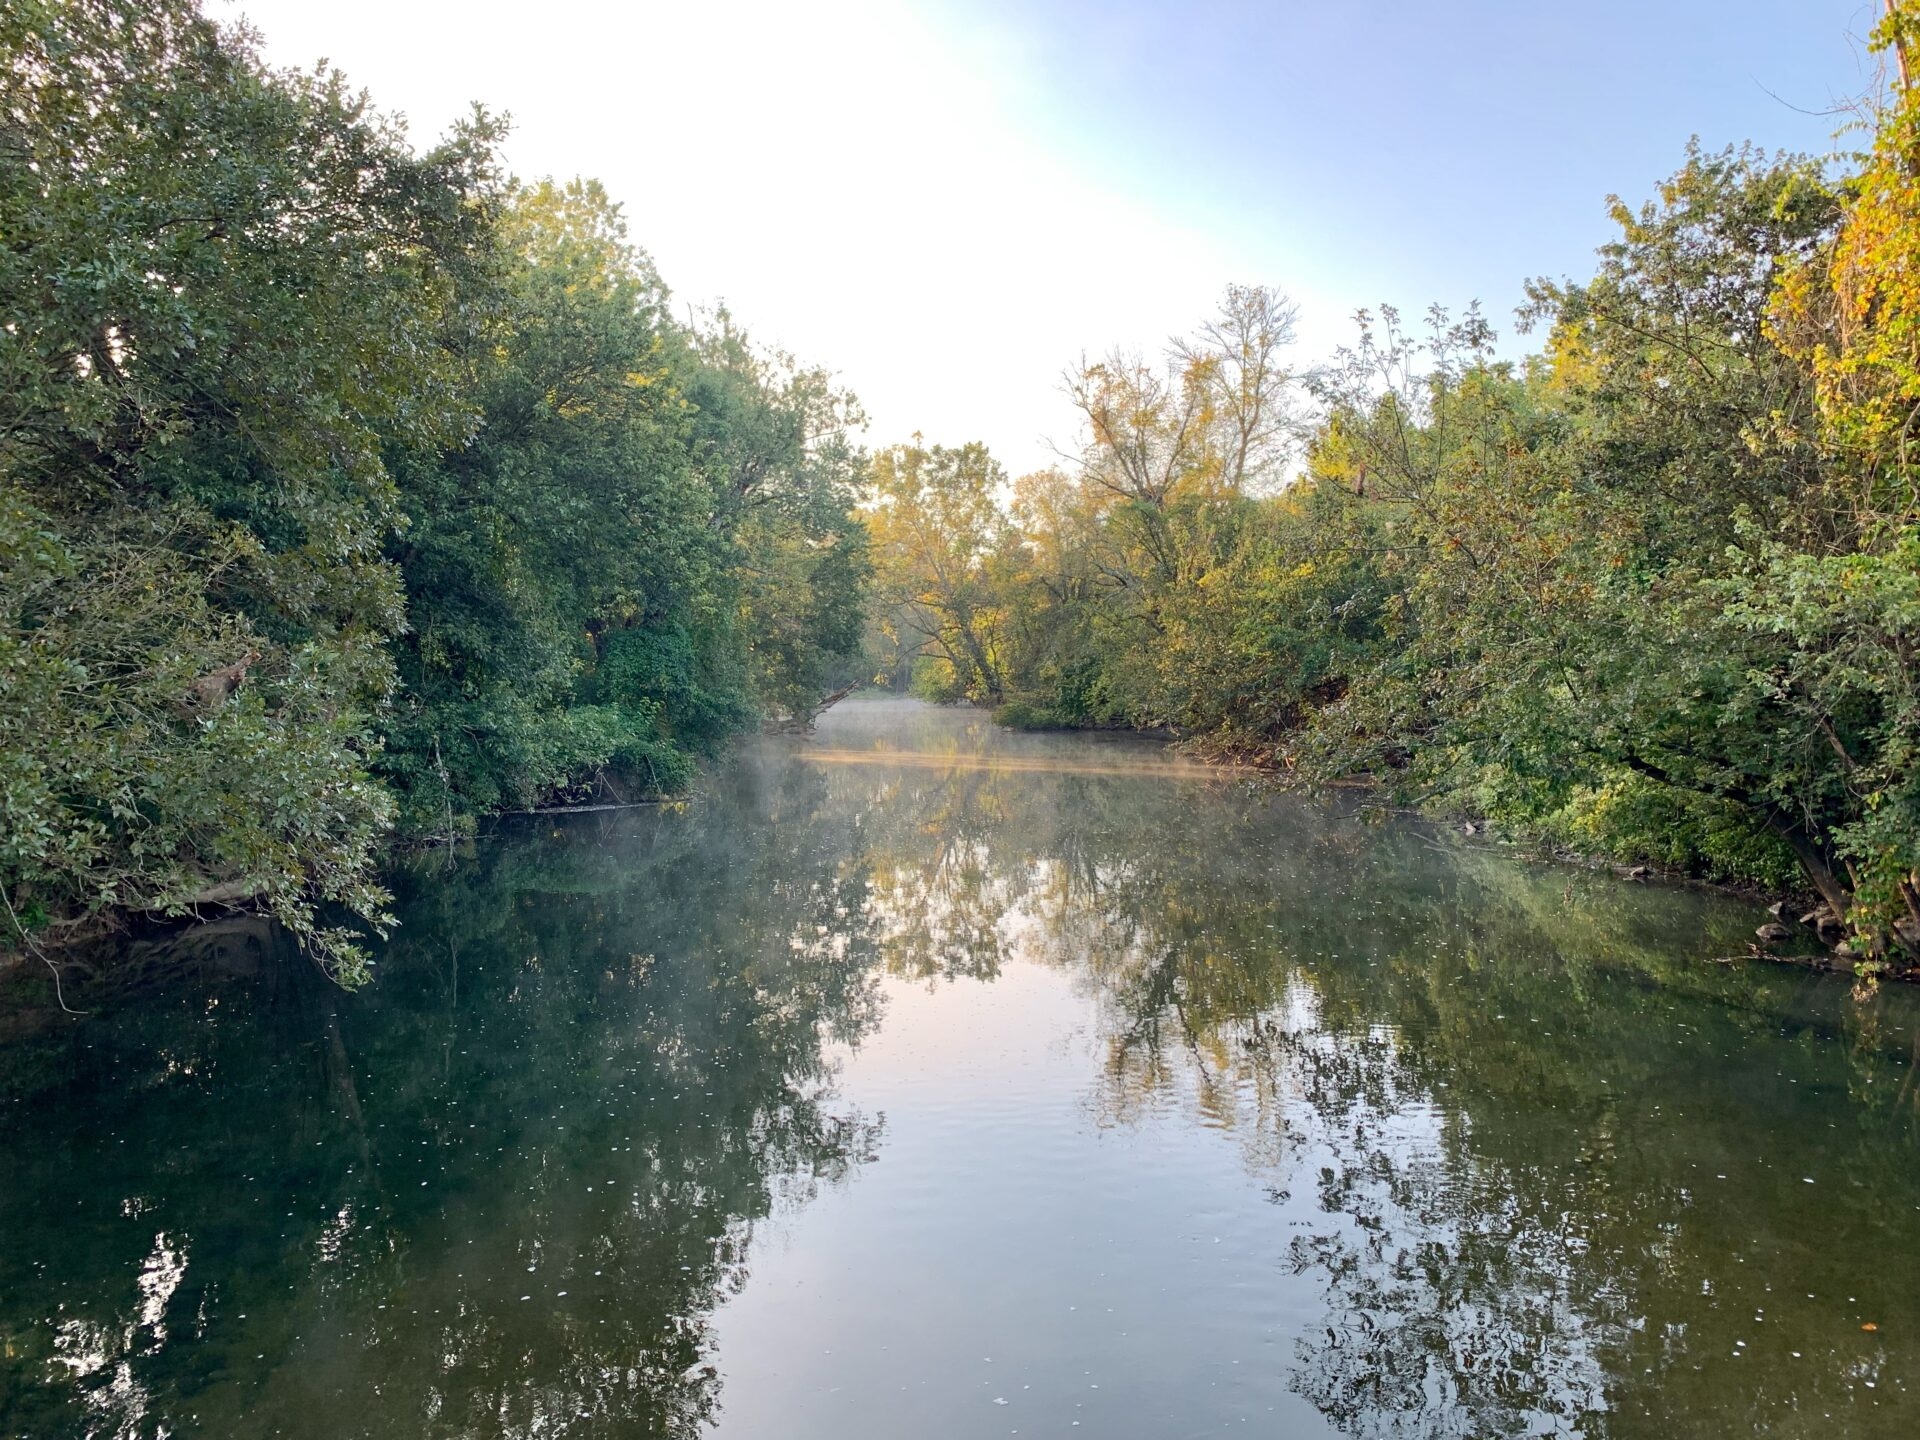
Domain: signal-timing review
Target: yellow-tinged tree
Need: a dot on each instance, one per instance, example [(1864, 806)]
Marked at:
[(1853, 314), (937, 534)]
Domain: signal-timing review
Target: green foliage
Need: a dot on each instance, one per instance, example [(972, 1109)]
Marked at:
[(1654, 593), (1673, 828), (934, 679), (223, 287), (340, 483), (1025, 715), (773, 440), (1562, 535), (571, 535)]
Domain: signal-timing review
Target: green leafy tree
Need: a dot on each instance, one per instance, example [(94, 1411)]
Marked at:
[(646, 544), (225, 289), (774, 440), (1564, 536), (558, 562)]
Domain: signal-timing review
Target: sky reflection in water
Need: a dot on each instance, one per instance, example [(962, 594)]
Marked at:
[(925, 1080)]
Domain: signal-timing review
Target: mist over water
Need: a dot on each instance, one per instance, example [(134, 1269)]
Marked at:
[(924, 1079)]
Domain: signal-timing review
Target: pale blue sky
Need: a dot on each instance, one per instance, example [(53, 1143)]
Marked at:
[(1423, 150), (948, 200)]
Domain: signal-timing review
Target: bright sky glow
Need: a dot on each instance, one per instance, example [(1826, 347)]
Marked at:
[(947, 202)]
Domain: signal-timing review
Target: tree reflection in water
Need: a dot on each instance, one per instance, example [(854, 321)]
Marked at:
[(1559, 1159), (500, 1194), (1541, 1166)]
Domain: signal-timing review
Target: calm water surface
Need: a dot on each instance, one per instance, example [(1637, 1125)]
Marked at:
[(923, 1081)]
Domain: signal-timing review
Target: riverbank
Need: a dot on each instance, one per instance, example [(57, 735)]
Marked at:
[(1801, 930)]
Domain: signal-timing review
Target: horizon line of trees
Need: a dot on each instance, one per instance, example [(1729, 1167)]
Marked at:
[(346, 488), (1652, 591)]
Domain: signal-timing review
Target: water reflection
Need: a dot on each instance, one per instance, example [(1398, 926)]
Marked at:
[(500, 1195), (1520, 1160)]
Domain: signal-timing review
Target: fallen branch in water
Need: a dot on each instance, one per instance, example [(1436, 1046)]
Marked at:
[(589, 809)]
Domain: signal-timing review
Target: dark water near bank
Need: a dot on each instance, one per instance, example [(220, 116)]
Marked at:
[(921, 1081)]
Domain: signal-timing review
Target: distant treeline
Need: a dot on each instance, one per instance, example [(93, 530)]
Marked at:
[(1653, 592), (343, 486)]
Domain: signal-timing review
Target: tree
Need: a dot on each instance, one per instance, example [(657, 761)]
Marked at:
[(774, 439), (1565, 536), (559, 563), (937, 532), (1214, 417), (1116, 611), (342, 485), (225, 288), (647, 540), (1845, 614)]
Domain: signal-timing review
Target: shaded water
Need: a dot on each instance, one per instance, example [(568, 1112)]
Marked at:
[(919, 1080)]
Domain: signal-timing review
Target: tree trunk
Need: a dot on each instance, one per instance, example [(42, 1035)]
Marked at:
[(1813, 860)]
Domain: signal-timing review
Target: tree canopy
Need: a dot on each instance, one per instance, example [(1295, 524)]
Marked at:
[(343, 484)]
